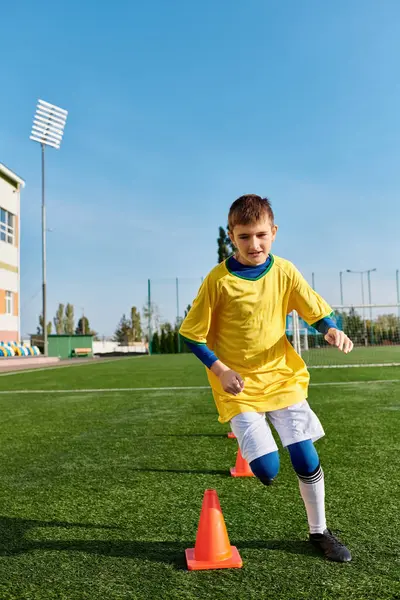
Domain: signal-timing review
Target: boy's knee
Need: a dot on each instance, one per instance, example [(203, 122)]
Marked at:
[(304, 457), (266, 467)]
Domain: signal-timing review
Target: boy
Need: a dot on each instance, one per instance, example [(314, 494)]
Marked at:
[(236, 327)]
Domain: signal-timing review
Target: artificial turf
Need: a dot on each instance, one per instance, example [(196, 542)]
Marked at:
[(101, 491), (360, 355)]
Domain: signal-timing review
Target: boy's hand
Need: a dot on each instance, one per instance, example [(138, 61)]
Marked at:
[(337, 338), (231, 382)]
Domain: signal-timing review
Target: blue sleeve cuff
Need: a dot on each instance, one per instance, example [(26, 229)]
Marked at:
[(323, 325), (202, 352)]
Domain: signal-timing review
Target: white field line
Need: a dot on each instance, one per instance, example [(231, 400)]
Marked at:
[(106, 390), (117, 359), (176, 388), (62, 366), (395, 364), (355, 382)]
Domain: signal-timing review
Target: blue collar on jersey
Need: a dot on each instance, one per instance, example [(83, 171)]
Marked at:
[(250, 272)]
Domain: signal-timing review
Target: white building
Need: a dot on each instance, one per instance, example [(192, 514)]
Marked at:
[(10, 188)]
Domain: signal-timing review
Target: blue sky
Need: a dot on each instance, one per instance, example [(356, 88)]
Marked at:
[(177, 108)]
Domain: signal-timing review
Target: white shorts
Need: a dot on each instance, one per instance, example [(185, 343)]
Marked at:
[(293, 424)]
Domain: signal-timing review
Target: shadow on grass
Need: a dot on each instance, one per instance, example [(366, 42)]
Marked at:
[(13, 530), (217, 435), (13, 543), (189, 471)]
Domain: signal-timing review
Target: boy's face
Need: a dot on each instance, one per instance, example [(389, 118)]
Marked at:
[(253, 242)]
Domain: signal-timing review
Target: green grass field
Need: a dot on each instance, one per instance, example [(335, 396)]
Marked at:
[(101, 490), (359, 356)]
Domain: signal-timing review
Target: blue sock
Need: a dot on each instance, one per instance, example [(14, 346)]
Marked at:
[(266, 467), (304, 457), (305, 461)]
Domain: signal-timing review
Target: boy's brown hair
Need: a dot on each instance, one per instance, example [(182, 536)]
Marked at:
[(249, 209)]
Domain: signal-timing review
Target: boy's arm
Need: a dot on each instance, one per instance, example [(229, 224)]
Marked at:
[(324, 325), (202, 351), (333, 334), (230, 380), (338, 338), (317, 312), (194, 329), (196, 325), (311, 307)]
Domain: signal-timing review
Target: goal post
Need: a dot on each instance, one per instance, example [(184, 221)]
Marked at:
[(373, 328)]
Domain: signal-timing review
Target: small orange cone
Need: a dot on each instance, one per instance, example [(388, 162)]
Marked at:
[(231, 435), (212, 549), (242, 467)]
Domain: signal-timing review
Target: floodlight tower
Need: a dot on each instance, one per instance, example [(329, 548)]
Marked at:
[(47, 130)]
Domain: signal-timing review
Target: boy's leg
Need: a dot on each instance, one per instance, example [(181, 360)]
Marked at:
[(266, 467), (298, 427), (305, 461), (257, 445)]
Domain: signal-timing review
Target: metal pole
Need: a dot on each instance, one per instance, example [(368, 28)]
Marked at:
[(369, 294), (363, 302), (149, 312), (341, 287), (177, 313), (44, 308), (398, 299), (362, 288), (370, 308)]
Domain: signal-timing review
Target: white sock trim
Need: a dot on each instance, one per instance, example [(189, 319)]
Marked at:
[(312, 491)]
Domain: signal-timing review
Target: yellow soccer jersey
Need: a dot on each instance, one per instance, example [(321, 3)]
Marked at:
[(244, 321)]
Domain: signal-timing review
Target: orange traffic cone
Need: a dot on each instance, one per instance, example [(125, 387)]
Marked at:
[(242, 467), (212, 549), (231, 435)]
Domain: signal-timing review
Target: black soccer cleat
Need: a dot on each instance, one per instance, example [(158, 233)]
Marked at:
[(329, 545)]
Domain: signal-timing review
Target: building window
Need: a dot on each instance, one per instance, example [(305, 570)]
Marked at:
[(9, 303), (7, 230)]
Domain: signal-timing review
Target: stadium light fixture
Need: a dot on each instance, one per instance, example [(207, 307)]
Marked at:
[(47, 130)]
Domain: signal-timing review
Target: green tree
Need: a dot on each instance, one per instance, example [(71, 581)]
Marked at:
[(129, 330), (136, 326), (83, 327), (155, 344), (39, 329), (122, 333), (163, 341), (171, 342), (153, 313), (176, 346), (167, 339), (59, 320), (387, 322), (223, 242), (69, 322), (354, 327), (178, 342)]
